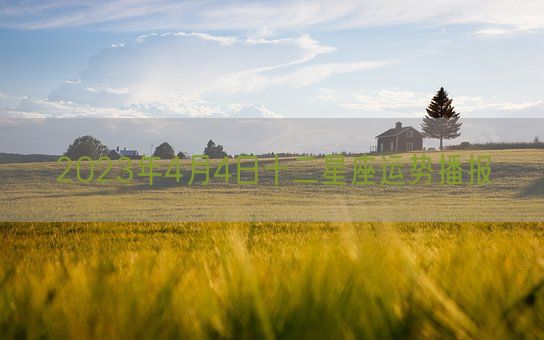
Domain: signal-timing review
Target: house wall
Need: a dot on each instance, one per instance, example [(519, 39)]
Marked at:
[(390, 142), (416, 140), (386, 141)]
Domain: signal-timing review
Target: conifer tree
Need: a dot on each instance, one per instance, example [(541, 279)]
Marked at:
[(441, 121)]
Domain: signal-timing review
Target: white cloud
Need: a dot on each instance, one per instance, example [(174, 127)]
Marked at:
[(315, 73), (182, 73), (479, 104), (223, 40), (7, 101), (311, 47), (495, 32), (43, 108), (269, 16), (123, 90), (193, 64), (326, 95), (392, 101), (260, 79), (254, 110), (413, 104)]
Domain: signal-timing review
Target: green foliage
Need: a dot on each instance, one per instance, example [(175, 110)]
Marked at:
[(164, 151), (464, 146), (441, 121), (86, 146), (214, 151), (496, 146), (20, 158)]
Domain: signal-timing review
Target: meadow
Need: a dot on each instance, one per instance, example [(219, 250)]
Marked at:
[(271, 280), (112, 261), (29, 192)]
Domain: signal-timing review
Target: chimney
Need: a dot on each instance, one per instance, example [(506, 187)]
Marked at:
[(398, 125)]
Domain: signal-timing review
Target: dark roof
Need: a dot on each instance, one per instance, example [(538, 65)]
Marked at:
[(128, 152), (394, 132)]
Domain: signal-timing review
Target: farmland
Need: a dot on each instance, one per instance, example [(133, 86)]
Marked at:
[(291, 261), (271, 280), (516, 193)]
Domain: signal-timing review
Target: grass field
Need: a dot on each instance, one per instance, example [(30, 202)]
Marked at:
[(271, 280), (516, 193), (292, 263)]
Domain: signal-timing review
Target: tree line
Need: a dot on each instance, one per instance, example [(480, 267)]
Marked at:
[(93, 148)]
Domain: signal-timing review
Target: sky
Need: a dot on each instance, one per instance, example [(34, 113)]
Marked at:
[(367, 58)]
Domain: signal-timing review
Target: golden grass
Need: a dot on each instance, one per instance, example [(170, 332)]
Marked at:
[(29, 192), (286, 279), (271, 280)]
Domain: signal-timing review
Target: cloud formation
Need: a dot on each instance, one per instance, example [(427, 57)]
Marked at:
[(43, 108), (267, 16), (188, 64), (402, 103), (191, 75)]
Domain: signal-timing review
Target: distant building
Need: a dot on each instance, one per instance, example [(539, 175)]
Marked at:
[(400, 139), (127, 153), (113, 154)]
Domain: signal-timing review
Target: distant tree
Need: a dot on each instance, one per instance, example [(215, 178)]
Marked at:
[(441, 121), (86, 146), (214, 151), (464, 146), (181, 155), (536, 140), (164, 151)]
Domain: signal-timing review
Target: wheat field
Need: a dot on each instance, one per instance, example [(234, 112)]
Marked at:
[(271, 280), (218, 262)]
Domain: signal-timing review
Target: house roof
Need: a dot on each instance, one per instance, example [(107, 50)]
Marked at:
[(394, 132), (128, 152)]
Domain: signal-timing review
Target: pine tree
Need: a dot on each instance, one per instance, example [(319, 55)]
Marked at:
[(441, 121)]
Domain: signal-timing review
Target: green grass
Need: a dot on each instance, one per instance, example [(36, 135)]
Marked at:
[(271, 280)]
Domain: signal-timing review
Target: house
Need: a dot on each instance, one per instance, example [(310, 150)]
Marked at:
[(400, 139), (127, 153), (113, 154)]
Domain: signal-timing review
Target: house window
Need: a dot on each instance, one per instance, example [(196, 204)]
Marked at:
[(409, 146), (410, 133), (392, 146)]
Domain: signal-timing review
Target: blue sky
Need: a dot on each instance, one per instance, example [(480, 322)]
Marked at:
[(341, 58)]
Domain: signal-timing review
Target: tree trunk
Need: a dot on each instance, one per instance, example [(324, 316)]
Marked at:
[(441, 148)]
